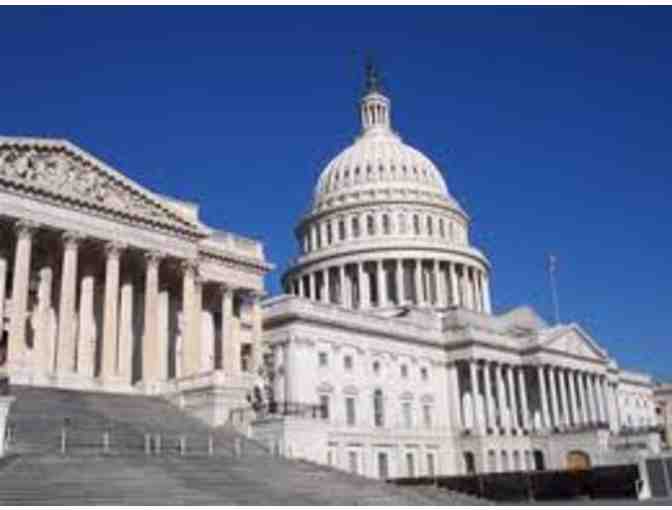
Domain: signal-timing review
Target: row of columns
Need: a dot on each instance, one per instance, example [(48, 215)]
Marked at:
[(384, 282), (508, 397), (69, 356)]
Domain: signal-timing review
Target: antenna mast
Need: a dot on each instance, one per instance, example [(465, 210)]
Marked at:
[(552, 261)]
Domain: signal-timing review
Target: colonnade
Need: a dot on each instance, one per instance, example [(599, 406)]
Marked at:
[(54, 324), (398, 281), (515, 398)]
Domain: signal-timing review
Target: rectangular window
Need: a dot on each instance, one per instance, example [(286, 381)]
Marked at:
[(324, 407), (427, 416), (383, 469), (350, 411), (431, 469), (330, 458), (410, 465), (352, 462), (323, 359), (406, 412), (347, 362)]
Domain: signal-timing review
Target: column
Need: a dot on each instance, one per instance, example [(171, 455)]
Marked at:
[(3, 286), (364, 287), (554, 396), (341, 286), (419, 297), (191, 348), (512, 398), (399, 275), (475, 293), (456, 399), (86, 341), (43, 346), (312, 286), (602, 382), (126, 333), (66, 315), (150, 339), (16, 344), (382, 283), (546, 420), (486, 294), (441, 292), (576, 420), (522, 386), (475, 392), (258, 339), (592, 404), (230, 347), (454, 292), (326, 290), (489, 400), (110, 361), (582, 399), (197, 337), (504, 421), (563, 396)]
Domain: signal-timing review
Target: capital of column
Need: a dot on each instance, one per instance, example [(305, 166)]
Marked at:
[(113, 249), (25, 228), (153, 257), (189, 266), (72, 238)]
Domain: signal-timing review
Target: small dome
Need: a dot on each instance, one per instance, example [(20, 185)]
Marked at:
[(379, 161)]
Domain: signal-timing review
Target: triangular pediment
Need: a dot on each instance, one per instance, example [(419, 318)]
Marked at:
[(574, 341), (59, 171)]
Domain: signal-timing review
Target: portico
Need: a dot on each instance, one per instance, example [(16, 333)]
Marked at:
[(108, 286)]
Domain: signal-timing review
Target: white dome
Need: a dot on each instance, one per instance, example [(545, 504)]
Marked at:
[(380, 165)]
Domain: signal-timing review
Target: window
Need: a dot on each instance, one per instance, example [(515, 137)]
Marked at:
[(431, 469), (355, 227), (350, 411), (352, 462), (424, 373), (401, 223), (347, 362), (330, 458), (383, 468), (386, 225), (404, 371), (410, 465), (430, 226), (370, 226), (442, 227), (416, 224), (376, 367), (245, 357), (341, 230), (324, 407), (323, 359), (427, 415), (378, 409), (505, 461), (329, 234), (407, 414)]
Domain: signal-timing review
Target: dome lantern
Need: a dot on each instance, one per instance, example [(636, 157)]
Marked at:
[(374, 106)]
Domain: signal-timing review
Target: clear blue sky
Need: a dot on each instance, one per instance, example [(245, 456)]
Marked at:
[(552, 127)]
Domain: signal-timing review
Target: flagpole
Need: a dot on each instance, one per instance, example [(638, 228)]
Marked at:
[(554, 290)]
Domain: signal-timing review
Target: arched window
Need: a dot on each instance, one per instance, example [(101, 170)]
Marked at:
[(370, 225), (416, 224), (378, 409), (430, 226), (386, 225), (355, 226), (329, 234), (376, 367), (469, 463), (341, 230)]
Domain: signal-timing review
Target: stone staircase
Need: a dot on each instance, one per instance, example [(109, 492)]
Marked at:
[(37, 473)]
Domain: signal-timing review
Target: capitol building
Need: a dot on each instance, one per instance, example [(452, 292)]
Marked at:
[(382, 357), (387, 358)]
